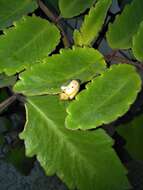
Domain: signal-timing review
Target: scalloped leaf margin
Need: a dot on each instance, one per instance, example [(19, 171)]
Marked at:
[(47, 78), (92, 24), (77, 157), (12, 10), (108, 97), (24, 45)]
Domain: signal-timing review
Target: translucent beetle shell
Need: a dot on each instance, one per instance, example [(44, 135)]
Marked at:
[(70, 91)]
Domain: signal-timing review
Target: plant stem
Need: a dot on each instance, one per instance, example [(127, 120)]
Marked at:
[(113, 57), (55, 19), (7, 102)]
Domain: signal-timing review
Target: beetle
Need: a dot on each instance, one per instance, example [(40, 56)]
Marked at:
[(70, 91)]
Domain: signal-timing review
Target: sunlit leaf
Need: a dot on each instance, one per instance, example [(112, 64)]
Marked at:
[(27, 43), (92, 23), (106, 98), (121, 32), (12, 10), (76, 63), (80, 159)]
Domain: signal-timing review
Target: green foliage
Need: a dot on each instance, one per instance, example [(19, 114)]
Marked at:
[(17, 157), (12, 10), (7, 80), (72, 8), (47, 78), (26, 44), (80, 159), (138, 43), (83, 159), (123, 3), (92, 23), (121, 32), (106, 98), (132, 132), (5, 125)]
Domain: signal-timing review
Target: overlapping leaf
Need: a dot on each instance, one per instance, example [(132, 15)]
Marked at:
[(80, 159), (138, 43), (27, 43), (121, 32), (76, 63), (132, 132), (72, 8), (92, 23), (12, 10), (108, 97)]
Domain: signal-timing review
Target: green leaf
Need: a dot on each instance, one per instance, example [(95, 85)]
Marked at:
[(121, 32), (12, 10), (73, 8), (123, 3), (138, 43), (7, 80), (76, 63), (92, 23), (106, 98), (80, 159), (52, 4), (132, 132), (27, 43)]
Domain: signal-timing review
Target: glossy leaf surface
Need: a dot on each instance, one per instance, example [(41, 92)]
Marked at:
[(106, 98), (77, 157), (76, 63)]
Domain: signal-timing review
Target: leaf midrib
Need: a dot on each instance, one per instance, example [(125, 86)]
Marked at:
[(60, 134), (113, 94), (84, 115), (30, 41)]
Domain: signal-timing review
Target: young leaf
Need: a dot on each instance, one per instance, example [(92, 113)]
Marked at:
[(92, 23), (125, 26), (76, 63), (132, 132), (27, 43), (77, 157), (138, 43), (72, 8), (12, 10), (106, 98)]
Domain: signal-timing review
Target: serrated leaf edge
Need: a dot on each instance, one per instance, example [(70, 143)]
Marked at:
[(126, 108)]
